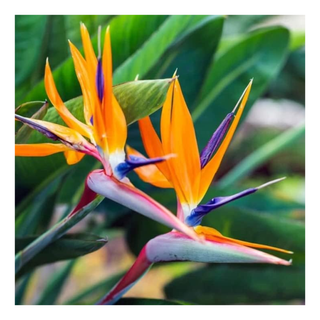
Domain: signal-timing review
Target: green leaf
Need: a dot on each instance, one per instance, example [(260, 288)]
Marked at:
[(67, 247), (191, 54), (145, 58), (96, 292), (142, 301), (29, 33), (137, 98), (21, 289), (239, 284), (297, 40), (261, 155), (236, 24), (130, 33), (55, 285), (39, 37), (39, 212), (260, 55), (56, 232)]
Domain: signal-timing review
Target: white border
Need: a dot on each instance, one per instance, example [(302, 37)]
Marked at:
[(8, 310)]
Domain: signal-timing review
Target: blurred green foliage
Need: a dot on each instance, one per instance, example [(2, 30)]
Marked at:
[(216, 56)]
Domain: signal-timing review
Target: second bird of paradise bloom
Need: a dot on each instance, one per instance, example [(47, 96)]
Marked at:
[(190, 174), (103, 135)]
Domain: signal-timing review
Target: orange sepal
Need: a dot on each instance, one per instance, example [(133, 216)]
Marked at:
[(73, 157), (90, 55), (153, 145), (214, 235), (184, 145), (57, 102), (39, 149)]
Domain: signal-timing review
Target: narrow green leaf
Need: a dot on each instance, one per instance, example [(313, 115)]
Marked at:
[(56, 232), (239, 284), (29, 33), (297, 40), (262, 154), (260, 55), (94, 293), (38, 214), (55, 285), (67, 247), (37, 190), (191, 54), (129, 35), (21, 288), (145, 58)]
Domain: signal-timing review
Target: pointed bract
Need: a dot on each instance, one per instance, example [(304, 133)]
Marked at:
[(136, 200)]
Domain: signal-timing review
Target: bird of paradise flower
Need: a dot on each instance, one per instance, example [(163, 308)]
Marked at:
[(190, 174), (106, 130)]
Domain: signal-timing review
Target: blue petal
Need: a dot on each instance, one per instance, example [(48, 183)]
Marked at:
[(215, 140), (200, 211), (38, 127), (100, 80), (122, 169)]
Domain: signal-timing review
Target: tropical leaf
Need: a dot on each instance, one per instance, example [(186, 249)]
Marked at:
[(21, 287), (259, 55), (131, 32), (94, 293), (67, 247), (55, 285), (239, 284), (261, 155), (29, 34), (56, 232), (41, 36), (197, 44)]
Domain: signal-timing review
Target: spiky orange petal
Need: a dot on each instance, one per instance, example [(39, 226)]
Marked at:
[(115, 121), (184, 145), (213, 234), (39, 149), (90, 55), (57, 102), (73, 157), (90, 98)]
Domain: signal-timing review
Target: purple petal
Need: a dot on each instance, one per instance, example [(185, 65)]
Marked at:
[(215, 140), (133, 162), (200, 211), (38, 127), (100, 80)]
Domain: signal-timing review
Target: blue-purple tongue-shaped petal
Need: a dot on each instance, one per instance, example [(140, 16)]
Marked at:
[(100, 80), (122, 169), (215, 140), (200, 211)]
